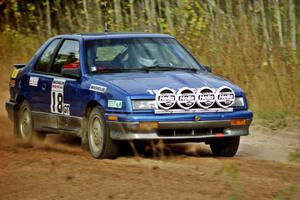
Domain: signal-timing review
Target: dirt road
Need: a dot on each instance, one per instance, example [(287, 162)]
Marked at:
[(58, 169)]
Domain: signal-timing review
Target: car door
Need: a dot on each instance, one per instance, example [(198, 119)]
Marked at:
[(65, 92), (38, 86)]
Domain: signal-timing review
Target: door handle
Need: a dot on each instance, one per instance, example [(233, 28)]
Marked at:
[(44, 86)]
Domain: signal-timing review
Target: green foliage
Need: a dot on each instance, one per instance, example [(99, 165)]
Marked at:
[(232, 173), (273, 119), (295, 156), (288, 193)]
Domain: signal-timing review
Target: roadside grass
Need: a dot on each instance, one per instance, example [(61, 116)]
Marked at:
[(273, 120), (288, 193), (231, 172), (295, 156), (291, 191), (236, 191)]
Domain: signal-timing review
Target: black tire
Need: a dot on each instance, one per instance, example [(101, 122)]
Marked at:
[(226, 147), (24, 124), (100, 144), (84, 135)]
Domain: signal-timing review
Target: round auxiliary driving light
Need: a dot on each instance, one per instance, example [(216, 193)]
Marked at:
[(225, 97), (205, 97), (185, 98), (166, 98)]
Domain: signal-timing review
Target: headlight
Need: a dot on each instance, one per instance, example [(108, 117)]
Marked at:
[(239, 102), (143, 104)]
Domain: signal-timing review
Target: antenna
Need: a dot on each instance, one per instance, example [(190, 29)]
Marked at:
[(105, 18)]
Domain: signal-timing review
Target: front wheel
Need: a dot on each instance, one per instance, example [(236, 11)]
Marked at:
[(226, 147), (100, 144)]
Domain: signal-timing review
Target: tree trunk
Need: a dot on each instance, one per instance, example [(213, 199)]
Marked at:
[(132, 14), (265, 28), (40, 19), (69, 17), (141, 15), (149, 15), (86, 15), (118, 13), (153, 15), (278, 21), (169, 16), (48, 17), (229, 13), (292, 16)]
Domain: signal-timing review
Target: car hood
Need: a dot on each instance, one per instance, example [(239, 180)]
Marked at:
[(141, 83)]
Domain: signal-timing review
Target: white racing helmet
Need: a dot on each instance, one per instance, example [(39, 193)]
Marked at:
[(146, 61)]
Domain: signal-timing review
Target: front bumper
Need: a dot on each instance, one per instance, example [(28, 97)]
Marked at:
[(11, 109), (178, 130)]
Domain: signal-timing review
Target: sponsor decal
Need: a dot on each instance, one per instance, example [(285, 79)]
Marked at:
[(225, 97), (98, 88), (205, 97), (165, 98), (58, 85), (115, 103), (15, 73), (185, 98), (33, 81), (57, 97)]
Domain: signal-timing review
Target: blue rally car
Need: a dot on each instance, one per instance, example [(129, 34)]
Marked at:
[(109, 87)]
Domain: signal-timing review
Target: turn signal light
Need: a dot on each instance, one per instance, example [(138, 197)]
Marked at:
[(148, 126), (112, 118), (238, 122)]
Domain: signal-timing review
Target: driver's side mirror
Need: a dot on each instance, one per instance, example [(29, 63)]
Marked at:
[(71, 73), (72, 70)]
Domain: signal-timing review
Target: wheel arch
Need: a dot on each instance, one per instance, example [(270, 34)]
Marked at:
[(90, 105), (20, 98)]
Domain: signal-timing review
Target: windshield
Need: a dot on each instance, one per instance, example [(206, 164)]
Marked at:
[(132, 54)]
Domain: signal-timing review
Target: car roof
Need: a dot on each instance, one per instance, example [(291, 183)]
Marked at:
[(116, 35)]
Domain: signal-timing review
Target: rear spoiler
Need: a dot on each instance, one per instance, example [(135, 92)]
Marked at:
[(19, 66)]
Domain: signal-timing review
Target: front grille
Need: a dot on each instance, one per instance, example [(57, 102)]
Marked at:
[(189, 132), (215, 105), (195, 109)]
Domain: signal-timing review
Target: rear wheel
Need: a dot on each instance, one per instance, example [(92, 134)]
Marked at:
[(100, 143), (226, 147), (24, 124)]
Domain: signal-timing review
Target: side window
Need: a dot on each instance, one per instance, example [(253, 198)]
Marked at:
[(67, 57), (43, 62)]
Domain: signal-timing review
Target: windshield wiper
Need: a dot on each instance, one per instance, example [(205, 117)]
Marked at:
[(145, 69), (116, 70), (165, 68)]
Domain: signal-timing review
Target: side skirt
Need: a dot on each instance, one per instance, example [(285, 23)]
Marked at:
[(57, 123)]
